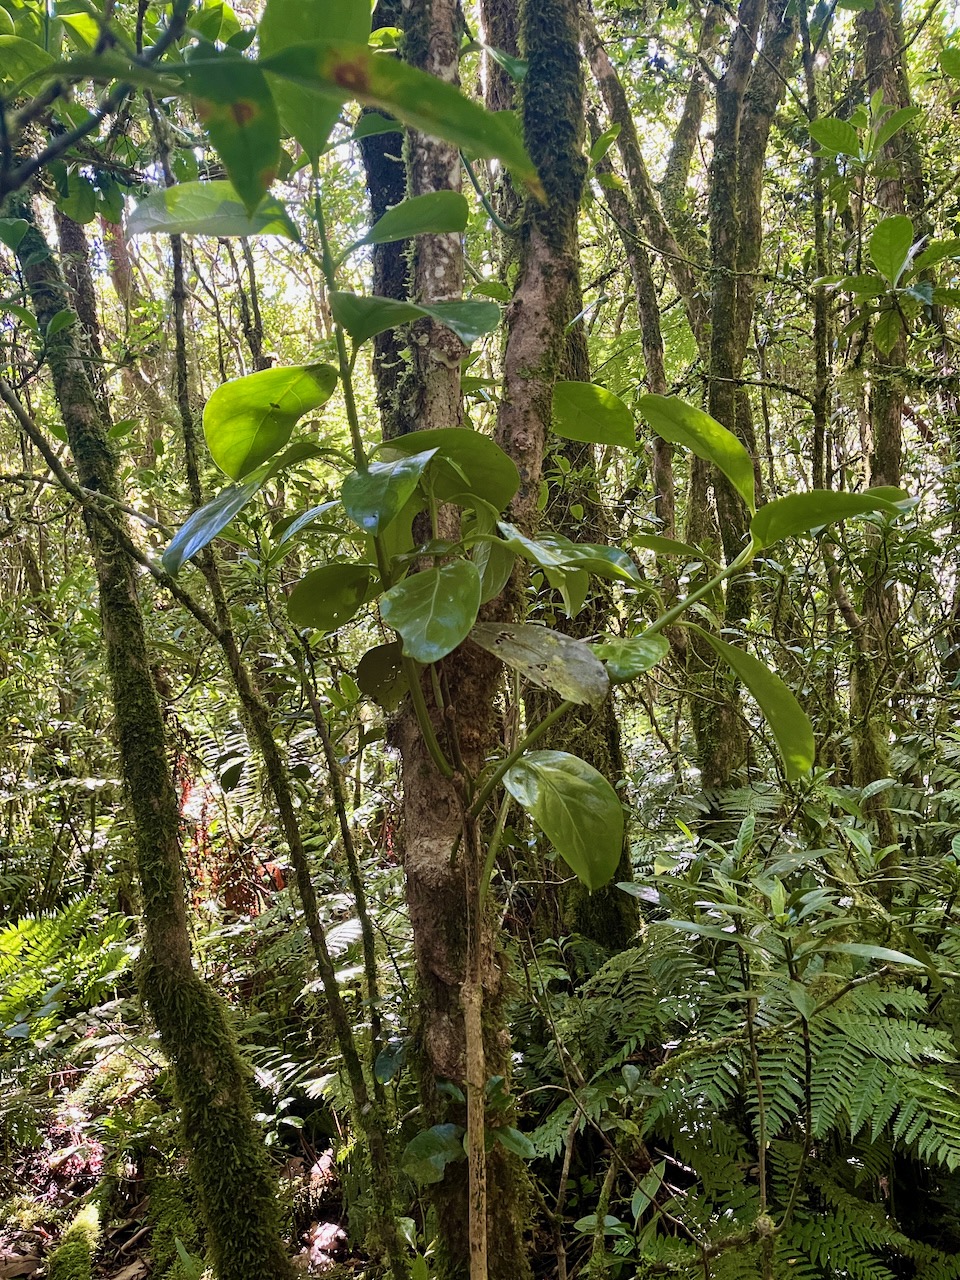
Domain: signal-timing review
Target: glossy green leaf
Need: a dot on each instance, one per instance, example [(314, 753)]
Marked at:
[(374, 498), (435, 213), (207, 209), (868, 951), (604, 561), (890, 245), (233, 102), (206, 522), (787, 719), (626, 659), (364, 317), (304, 519), (346, 71), (575, 807), (433, 611), (484, 470), (426, 1156), (248, 420), (584, 411), (381, 677), (838, 137), (330, 596), (800, 513), (548, 659), (686, 425)]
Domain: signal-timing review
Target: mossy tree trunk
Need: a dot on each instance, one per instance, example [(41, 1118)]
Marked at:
[(228, 1160)]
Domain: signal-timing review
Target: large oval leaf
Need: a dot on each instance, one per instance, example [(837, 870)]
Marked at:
[(353, 71), (788, 721), (433, 611), (890, 246), (375, 497), (207, 209), (627, 658), (330, 596), (802, 512), (838, 137), (206, 522), (548, 659), (307, 115), (250, 419), (584, 411), (686, 425), (575, 807), (485, 470)]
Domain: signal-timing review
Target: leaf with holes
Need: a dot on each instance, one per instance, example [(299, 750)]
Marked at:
[(328, 597), (248, 420), (575, 807), (433, 611), (548, 659)]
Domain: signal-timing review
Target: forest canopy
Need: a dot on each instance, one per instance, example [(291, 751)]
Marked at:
[(479, 640)]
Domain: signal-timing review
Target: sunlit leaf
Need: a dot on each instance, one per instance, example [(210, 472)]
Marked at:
[(584, 411), (628, 658), (248, 420), (838, 137), (575, 807), (435, 213), (890, 245), (684, 424), (207, 209), (483, 469)]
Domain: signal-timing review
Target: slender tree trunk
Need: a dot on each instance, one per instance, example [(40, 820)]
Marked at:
[(237, 1196)]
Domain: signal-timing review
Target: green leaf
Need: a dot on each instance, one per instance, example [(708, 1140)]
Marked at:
[(666, 546), (206, 522), (426, 1156), (485, 471), (330, 596), (207, 209), (80, 200), (894, 123), (936, 251), (869, 952), (604, 142), (372, 123), (436, 213), (603, 561), (584, 411), (626, 659), (12, 231), (306, 114), (890, 245), (686, 425), (433, 611), (381, 677), (548, 659), (516, 1142), (575, 807), (887, 330), (21, 58), (234, 104), (248, 420), (375, 497), (802, 512), (838, 137), (346, 71), (62, 320), (787, 720), (950, 62), (363, 318)]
